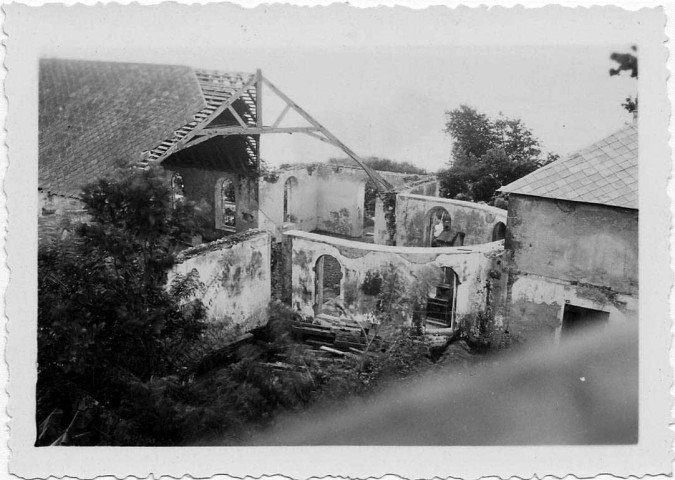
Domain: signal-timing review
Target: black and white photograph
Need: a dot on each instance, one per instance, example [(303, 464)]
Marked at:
[(247, 233)]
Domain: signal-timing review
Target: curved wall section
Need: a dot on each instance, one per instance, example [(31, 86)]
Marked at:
[(411, 273), (416, 216)]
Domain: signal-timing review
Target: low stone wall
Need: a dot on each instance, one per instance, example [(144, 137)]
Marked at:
[(413, 216), (236, 275), (417, 270)]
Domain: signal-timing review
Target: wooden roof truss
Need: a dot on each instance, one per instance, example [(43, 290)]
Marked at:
[(234, 107)]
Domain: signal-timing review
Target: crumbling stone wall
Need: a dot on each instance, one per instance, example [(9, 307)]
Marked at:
[(236, 275)]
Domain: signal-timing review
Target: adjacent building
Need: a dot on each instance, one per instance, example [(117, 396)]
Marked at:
[(572, 242)]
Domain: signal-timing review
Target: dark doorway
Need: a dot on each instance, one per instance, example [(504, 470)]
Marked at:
[(582, 320), (499, 232), (328, 277), (442, 303)]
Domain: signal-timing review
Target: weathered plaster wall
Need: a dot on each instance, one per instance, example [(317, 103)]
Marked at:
[(564, 252), (425, 187), (236, 276), (202, 186), (575, 242), (412, 219), (341, 200), (302, 205), (475, 267), (326, 197), (537, 303)]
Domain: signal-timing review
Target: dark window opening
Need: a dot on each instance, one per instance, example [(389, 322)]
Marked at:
[(438, 228), (499, 232), (290, 188), (227, 213), (442, 301), (177, 189), (328, 277), (578, 320)]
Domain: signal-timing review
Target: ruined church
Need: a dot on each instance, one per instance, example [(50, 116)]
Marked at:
[(562, 256)]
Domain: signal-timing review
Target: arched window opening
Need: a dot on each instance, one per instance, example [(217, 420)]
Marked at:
[(226, 213), (442, 302), (328, 292), (499, 232), (177, 189), (437, 231), (290, 190)]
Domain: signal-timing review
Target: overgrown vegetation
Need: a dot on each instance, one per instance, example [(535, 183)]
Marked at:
[(107, 324), (487, 154)]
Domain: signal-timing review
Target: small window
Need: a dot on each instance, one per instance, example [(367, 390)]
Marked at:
[(442, 301)]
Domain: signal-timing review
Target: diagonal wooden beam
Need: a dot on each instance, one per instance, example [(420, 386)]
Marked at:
[(380, 182), (237, 117), (319, 137), (221, 108), (281, 116)]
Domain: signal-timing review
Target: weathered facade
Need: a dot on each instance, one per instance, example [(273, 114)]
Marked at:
[(410, 277), (236, 277), (415, 215), (572, 242)]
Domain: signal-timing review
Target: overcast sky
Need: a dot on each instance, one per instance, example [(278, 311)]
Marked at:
[(385, 94)]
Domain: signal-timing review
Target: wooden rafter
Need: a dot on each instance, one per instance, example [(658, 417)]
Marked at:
[(203, 130), (380, 182)]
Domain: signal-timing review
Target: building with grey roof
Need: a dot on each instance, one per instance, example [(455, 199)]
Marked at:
[(572, 241)]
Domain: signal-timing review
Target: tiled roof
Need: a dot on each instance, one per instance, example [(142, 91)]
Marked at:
[(604, 173), (95, 114)]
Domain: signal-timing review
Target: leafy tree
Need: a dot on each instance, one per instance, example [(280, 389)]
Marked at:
[(104, 310), (627, 62), (487, 154)]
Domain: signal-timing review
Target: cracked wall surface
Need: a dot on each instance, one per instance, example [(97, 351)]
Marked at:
[(412, 265), (569, 253), (236, 275)]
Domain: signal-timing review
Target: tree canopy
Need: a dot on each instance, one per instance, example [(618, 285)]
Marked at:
[(105, 314), (627, 62), (487, 154)]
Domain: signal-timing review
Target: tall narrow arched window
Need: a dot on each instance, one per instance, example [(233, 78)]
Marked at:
[(177, 189), (290, 190), (442, 303), (327, 287), (437, 229), (226, 211), (499, 231)]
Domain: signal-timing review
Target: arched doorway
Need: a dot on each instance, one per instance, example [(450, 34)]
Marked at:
[(226, 205), (442, 304), (328, 285), (290, 189), (437, 227), (499, 232)]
